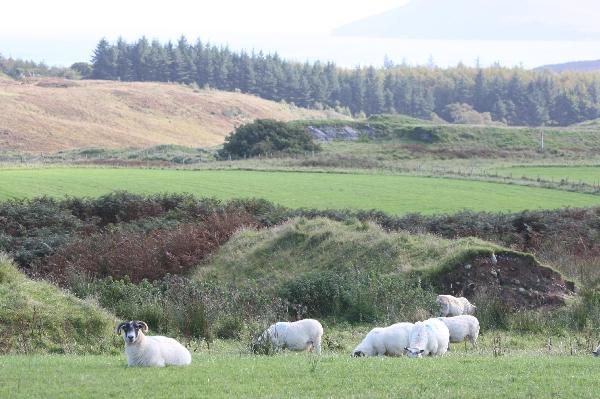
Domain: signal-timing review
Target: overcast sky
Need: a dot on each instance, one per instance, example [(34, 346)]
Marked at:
[(61, 32), (172, 17)]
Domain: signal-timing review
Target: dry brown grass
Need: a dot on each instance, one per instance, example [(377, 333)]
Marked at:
[(54, 114)]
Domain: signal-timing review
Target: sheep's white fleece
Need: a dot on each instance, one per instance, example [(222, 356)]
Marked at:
[(296, 336), (429, 337), (462, 328), (453, 306), (156, 351), (389, 341)]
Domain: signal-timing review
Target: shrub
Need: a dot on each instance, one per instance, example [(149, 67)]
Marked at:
[(142, 255), (266, 136), (180, 306), (466, 114), (359, 297)]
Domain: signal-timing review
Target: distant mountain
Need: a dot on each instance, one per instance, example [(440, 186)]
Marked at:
[(577, 66), (550, 20)]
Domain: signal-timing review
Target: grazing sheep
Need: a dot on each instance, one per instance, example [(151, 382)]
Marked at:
[(154, 351), (462, 328), (452, 306), (299, 335), (385, 341), (429, 337)]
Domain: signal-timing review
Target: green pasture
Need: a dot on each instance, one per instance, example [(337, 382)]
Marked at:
[(389, 193), (571, 174), (302, 375)]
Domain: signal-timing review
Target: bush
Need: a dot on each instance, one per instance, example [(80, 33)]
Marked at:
[(466, 114), (359, 297), (180, 306), (142, 255), (266, 136)]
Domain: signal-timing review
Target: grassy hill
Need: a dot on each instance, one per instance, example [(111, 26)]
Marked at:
[(38, 317), (54, 114), (471, 139), (362, 272)]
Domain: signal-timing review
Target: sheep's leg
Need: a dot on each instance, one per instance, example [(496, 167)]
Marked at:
[(317, 347)]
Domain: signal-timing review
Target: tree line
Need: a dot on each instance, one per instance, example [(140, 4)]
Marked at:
[(514, 96), (17, 68)]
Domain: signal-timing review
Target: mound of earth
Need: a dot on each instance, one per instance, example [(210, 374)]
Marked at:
[(273, 257), (518, 279), (38, 317)]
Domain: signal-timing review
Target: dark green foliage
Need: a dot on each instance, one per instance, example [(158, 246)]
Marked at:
[(514, 96), (178, 305), (18, 68), (359, 297), (266, 136), (84, 69)]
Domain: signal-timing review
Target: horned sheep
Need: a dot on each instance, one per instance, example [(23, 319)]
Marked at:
[(453, 306), (388, 341), (151, 351), (429, 337), (302, 335)]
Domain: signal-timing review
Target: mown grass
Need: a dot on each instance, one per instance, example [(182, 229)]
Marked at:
[(393, 194), (571, 174), (302, 375)]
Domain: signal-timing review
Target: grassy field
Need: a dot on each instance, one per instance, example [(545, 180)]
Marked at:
[(302, 375), (393, 194), (573, 174)]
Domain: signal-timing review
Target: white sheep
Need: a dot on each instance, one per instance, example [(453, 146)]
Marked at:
[(299, 335), (462, 328), (153, 350), (453, 306), (429, 337), (388, 341)]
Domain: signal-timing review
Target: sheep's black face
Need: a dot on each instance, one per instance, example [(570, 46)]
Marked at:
[(131, 330)]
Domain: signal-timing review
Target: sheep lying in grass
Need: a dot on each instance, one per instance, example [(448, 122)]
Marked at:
[(154, 351), (453, 306), (462, 328), (388, 341), (429, 337), (300, 335)]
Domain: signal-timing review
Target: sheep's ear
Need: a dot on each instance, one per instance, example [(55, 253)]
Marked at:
[(143, 326), (120, 327)]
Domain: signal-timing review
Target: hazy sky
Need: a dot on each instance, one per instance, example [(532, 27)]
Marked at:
[(172, 17), (61, 32)]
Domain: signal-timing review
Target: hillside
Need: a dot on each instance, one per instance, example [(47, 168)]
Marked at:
[(457, 140), (320, 261), (575, 66), (53, 114), (38, 317)]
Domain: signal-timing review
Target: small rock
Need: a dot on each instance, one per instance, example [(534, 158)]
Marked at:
[(494, 273), (522, 290), (516, 282), (468, 267)]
